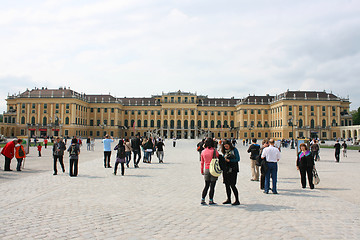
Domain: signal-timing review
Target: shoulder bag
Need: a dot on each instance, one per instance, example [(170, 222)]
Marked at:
[(316, 179), (215, 169)]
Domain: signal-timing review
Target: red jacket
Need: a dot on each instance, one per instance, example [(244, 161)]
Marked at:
[(9, 150)]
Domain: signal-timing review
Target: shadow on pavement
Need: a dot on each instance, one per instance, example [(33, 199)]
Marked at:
[(333, 189), (300, 193), (139, 176), (258, 207)]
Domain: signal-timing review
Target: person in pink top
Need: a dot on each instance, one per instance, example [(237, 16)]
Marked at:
[(210, 181)]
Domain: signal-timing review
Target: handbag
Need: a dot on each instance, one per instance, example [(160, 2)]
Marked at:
[(316, 179), (215, 169)]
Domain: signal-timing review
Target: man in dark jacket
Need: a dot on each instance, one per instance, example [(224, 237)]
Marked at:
[(254, 151), (135, 145), (58, 154), (8, 151), (337, 147)]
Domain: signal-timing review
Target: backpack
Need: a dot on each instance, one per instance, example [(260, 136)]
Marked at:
[(73, 151), (121, 152), (21, 152)]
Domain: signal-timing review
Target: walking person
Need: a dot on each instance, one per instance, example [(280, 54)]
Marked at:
[(305, 164), (58, 154), (45, 143), (128, 150), (254, 151), (9, 151), (135, 145), (344, 146), (315, 150), (39, 149), (210, 181), (200, 147), (262, 163), (88, 144), (337, 147), (19, 154), (92, 144), (148, 149), (120, 157), (232, 158), (160, 150), (74, 152), (272, 155), (174, 141), (107, 150)]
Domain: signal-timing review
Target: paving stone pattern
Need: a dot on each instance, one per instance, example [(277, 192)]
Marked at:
[(162, 201)]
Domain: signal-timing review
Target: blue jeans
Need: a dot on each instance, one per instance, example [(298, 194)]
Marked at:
[(128, 157), (273, 168), (147, 156)]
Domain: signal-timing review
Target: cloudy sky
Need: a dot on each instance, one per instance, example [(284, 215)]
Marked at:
[(217, 48)]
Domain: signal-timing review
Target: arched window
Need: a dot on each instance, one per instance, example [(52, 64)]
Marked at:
[(139, 123), (132, 123), (44, 121), (206, 124), (232, 124), (226, 124), (126, 123), (199, 124), (192, 124), (33, 120), (334, 123), (218, 125), (145, 123), (212, 124), (323, 123), (23, 120), (165, 123), (13, 120), (300, 123), (152, 123), (178, 124), (312, 123), (186, 123), (158, 123), (67, 120), (172, 123)]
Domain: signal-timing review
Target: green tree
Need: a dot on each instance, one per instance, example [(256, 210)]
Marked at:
[(356, 117)]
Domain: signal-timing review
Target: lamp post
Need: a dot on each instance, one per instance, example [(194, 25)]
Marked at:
[(250, 128), (290, 122)]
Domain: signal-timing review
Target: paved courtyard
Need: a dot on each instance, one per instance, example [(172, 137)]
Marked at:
[(162, 201)]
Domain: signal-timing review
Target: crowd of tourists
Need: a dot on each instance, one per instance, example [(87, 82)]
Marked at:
[(263, 159), (124, 149)]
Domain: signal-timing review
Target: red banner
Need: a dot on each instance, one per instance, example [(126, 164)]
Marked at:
[(32, 129), (42, 129), (55, 130)]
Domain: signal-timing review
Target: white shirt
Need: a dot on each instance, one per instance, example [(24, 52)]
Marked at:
[(271, 153)]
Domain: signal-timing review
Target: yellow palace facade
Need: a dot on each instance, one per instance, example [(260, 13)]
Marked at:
[(64, 112)]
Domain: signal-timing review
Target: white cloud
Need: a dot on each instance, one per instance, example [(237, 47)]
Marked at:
[(140, 48)]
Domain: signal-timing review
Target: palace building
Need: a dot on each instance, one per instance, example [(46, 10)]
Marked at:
[(64, 112)]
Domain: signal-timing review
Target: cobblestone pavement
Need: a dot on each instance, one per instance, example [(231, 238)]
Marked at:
[(162, 201)]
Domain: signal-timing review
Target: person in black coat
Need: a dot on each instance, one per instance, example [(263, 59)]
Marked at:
[(261, 162), (305, 164), (230, 171), (337, 147)]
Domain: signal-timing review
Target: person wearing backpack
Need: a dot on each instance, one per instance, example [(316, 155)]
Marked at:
[(19, 154), (74, 151), (254, 151), (120, 157), (58, 154)]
